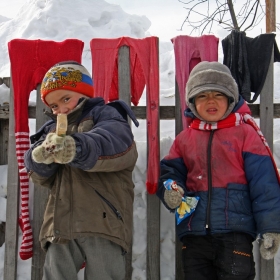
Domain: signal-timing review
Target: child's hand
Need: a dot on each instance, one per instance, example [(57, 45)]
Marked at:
[(41, 155), (55, 149), (67, 152), (173, 198), (44, 152), (269, 245)]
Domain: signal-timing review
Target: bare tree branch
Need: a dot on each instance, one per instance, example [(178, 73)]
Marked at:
[(254, 17), (203, 14), (232, 14)]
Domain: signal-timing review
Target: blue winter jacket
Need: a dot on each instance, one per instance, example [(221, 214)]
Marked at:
[(92, 195), (231, 171)]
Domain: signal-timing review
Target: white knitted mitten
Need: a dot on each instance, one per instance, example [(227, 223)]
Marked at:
[(269, 245), (60, 149), (173, 198)]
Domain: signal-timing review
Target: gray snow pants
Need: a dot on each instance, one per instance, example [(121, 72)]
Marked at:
[(104, 260)]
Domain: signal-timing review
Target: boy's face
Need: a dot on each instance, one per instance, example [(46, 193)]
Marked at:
[(211, 106), (63, 101)]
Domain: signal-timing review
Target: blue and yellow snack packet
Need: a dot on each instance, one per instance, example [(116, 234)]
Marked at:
[(188, 204)]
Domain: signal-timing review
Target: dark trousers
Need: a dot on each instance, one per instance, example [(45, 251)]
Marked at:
[(227, 256)]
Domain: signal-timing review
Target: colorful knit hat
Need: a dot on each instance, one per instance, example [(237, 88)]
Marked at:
[(211, 76), (69, 75)]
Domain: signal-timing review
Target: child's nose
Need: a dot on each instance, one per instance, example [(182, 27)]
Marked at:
[(63, 110), (210, 98)]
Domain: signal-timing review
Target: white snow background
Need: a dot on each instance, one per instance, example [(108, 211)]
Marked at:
[(58, 20)]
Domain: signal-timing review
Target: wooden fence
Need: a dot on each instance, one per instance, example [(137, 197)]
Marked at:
[(266, 111)]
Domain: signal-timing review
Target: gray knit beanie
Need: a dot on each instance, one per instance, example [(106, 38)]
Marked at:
[(211, 76)]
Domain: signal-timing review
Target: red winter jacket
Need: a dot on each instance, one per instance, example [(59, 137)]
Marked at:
[(232, 172)]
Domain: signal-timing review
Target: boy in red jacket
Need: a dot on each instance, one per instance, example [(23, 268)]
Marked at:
[(223, 163)]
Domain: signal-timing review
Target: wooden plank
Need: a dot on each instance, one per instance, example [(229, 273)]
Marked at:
[(270, 16), (267, 269), (257, 260), (177, 111), (179, 274), (153, 237), (2, 233), (6, 81), (169, 112), (12, 210), (266, 126), (165, 112), (153, 218), (124, 75), (4, 112), (40, 200), (124, 94), (266, 105), (4, 139)]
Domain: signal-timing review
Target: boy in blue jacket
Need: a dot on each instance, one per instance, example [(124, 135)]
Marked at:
[(223, 163), (88, 217)]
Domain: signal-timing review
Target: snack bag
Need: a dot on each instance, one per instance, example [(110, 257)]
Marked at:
[(188, 204)]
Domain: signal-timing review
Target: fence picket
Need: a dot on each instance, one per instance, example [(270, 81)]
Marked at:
[(11, 233)]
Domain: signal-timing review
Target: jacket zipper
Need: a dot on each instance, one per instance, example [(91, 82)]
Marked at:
[(209, 177), (57, 191), (71, 207), (115, 210)]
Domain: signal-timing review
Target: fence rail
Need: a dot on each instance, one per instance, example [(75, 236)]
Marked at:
[(165, 112)]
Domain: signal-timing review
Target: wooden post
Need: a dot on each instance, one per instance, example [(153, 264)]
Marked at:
[(178, 115), (4, 128), (12, 209), (124, 76), (267, 269), (39, 205), (153, 226), (4, 139), (153, 203), (179, 275), (153, 237), (125, 95), (257, 260), (270, 16), (266, 118), (266, 105), (4, 136)]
